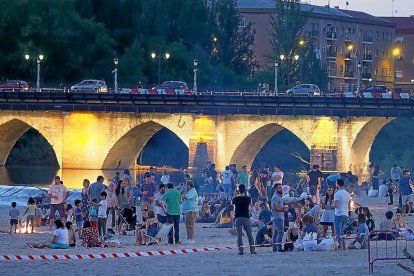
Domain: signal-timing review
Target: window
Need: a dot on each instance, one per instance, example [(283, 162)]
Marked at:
[(242, 22), (377, 53), (399, 40), (399, 74), (376, 71)]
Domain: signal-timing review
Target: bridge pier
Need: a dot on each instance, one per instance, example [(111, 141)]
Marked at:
[(203, 142)]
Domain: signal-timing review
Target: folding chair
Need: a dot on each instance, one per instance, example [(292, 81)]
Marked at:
[(161, 235)]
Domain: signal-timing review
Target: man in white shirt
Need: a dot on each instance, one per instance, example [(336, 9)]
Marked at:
[(165, 178), (58, 194), (277, 178), (341, 203), (226, 178)]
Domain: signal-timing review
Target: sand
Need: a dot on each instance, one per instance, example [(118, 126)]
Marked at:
[(226, 262)]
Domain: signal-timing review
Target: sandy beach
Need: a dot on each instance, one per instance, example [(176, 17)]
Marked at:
[(224, 262)]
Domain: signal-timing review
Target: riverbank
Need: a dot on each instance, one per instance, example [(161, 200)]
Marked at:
[(211, 263)]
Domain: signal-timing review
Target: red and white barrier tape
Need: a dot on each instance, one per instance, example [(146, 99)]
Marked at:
[(109, 255)]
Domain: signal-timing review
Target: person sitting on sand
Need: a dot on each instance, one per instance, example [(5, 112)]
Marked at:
[(60, 238), (290, 238), (151, 229), (72, 234), (255, 213), (388, 224), (399, 220), (361, 241), (264, 235), (90, 235), (226, 218), (205, 213), (309, 226)]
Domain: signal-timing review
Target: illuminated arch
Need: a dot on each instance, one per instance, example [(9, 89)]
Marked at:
[(249, 148), (11, 131), (126, 150)]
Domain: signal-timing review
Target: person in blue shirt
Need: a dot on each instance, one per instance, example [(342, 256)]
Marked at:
[(360, 241), (406, 192)]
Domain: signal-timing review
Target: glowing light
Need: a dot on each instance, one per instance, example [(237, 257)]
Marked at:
[(203, 129), (396, 51), (296, 57), (325, 134), (153, 55), (27, 57), (167, 55), (282, 57), (301, 42), (350, 47)]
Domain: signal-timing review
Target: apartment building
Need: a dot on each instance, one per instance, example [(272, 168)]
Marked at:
[(347, 42), (404, 51)]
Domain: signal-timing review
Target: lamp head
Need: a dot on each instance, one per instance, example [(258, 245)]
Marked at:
[(41, 57), (27, 57), (195, 62), (282, 57), (153, 55), (116, 61), (167, 55)]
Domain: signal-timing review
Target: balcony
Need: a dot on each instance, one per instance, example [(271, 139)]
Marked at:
[(331, 35), (367, 57), (349, 56), (314, 33), (367, 39), (349, 74), (331, 53), (349, 38)]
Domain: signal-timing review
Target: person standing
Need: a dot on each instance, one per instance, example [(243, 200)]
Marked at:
[(103, 206), (406, 192), (95, 189), (341, 203), (314, 180), (112, 200), (58, 195), (226, 178), (190, 210), (85, 198), (396, 174), (160, 205), (278, 218), (242, 216), (376, 174), (243, 177), (165, 178), (148, 193), (172, 200), (213, 174)]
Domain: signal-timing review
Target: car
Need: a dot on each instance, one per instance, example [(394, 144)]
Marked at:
[(304, 90), (93, 86), (377, 91), (14, 85), (171, 87)]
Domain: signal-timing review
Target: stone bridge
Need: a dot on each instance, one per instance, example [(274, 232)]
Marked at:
[(109, 140)]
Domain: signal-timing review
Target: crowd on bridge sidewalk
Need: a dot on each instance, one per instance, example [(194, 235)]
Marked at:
[(316, 215)]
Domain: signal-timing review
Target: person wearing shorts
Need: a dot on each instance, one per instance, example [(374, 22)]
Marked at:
[(190, 210), (314, 180), (406, 192), (58, 194)]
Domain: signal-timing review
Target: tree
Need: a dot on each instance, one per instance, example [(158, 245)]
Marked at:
[(288, 39)]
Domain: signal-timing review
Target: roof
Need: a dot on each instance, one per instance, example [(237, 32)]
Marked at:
[(318, 11), (403, 25)]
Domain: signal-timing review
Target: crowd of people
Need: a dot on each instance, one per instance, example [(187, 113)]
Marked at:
[(317, 216)]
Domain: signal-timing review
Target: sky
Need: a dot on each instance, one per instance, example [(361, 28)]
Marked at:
[(374, 7)]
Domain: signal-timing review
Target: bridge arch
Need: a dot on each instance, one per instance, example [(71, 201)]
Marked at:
[(253, 139), (13, 129), (126, 149), (363, 141)]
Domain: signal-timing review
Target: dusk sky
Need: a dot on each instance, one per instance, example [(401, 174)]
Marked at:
[(374, 7)]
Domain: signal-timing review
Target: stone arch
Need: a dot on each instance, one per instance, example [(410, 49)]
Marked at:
[(249, 148), (127, 148), (361, 146), (11, 131)]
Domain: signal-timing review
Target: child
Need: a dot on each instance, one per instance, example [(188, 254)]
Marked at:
[(30, 211), (387, 225), (14, 217), (72, 234), (102, 216), (363, 232), (79, 216), (93, 213), (70, 216), (150, 229)]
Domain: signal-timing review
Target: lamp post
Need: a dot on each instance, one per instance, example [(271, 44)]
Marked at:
[(154, 56), (195, 63), (115, 72), (276, 69), (38, 60)]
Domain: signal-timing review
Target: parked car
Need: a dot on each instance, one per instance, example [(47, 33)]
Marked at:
[(377, 91), (92, 86), (171, 87), (304, 90), (14, 85)]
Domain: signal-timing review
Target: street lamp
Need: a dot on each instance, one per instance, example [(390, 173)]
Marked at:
[(282, 57), (39, 58), (195, 63), (296, 57), (276, 69), (154, 56), (115, 72)]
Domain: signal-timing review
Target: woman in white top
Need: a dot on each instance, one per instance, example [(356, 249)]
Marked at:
[(328, 215), (60, 238)]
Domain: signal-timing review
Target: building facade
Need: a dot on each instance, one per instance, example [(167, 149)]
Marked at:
[(348, 43), (404, 51)]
